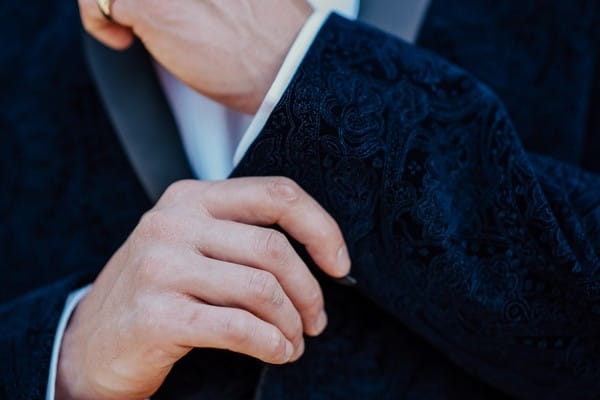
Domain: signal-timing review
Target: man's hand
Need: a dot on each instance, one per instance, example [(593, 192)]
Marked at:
[(200, 271), (229, 50)]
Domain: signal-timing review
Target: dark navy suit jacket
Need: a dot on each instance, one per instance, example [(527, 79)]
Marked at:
[(472, 210)]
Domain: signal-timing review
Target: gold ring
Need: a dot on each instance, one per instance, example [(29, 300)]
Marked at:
[(104, 6)]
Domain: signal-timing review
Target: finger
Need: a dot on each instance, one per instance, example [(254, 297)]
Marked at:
[(230, 285), (268, 250), (113, 36), (110, 33), (267, 201), (203, 325)]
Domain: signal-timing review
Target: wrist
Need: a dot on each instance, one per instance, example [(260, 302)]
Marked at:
[(71, 376), (66, 375), (276, 36)]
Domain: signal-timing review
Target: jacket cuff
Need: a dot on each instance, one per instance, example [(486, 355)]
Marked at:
[(284, 77)]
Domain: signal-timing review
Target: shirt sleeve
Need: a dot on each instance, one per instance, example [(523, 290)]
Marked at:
[(70, 304), (290, 65)]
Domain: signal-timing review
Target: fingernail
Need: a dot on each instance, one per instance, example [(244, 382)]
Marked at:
[(321, 323), (343, 260), (289, 350), (299, 351)]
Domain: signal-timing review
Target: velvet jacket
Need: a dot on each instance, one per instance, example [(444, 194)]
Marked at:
[(470, 202)]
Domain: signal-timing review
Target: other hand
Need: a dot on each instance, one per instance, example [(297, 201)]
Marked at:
[(229, 50), (200, 270)]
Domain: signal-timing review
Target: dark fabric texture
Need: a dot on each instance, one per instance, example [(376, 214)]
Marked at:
[(539, 56), (476, 259), (68, 197), (487, 251)]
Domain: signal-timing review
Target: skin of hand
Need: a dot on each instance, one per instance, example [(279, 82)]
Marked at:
[(228, 50), (201, 270)]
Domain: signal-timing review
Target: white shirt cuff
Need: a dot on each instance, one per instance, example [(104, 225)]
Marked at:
[(292, 62), (70, 304)]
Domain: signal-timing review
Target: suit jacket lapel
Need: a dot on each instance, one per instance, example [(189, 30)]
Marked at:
[(140, 114), (400, 18)]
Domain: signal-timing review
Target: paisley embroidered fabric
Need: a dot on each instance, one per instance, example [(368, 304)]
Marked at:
[(398, 144), (487, 251), (540, 57)]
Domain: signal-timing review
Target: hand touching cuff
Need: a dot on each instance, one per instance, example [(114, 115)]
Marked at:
[(202, 270)]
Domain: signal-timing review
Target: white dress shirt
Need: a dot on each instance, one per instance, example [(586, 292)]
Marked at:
[(216, 138)]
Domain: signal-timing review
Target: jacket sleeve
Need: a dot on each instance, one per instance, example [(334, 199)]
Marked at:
[(487, 251), (27, 329)]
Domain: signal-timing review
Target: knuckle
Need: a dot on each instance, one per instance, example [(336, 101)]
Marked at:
[(153, 223), (296, 329), (194, 318), (186, 194), (274, 246), (179, 189), (239, 330), (277, 297), (163, 224), (314, 301), (275, 344), (283, 190), (265, 288)]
